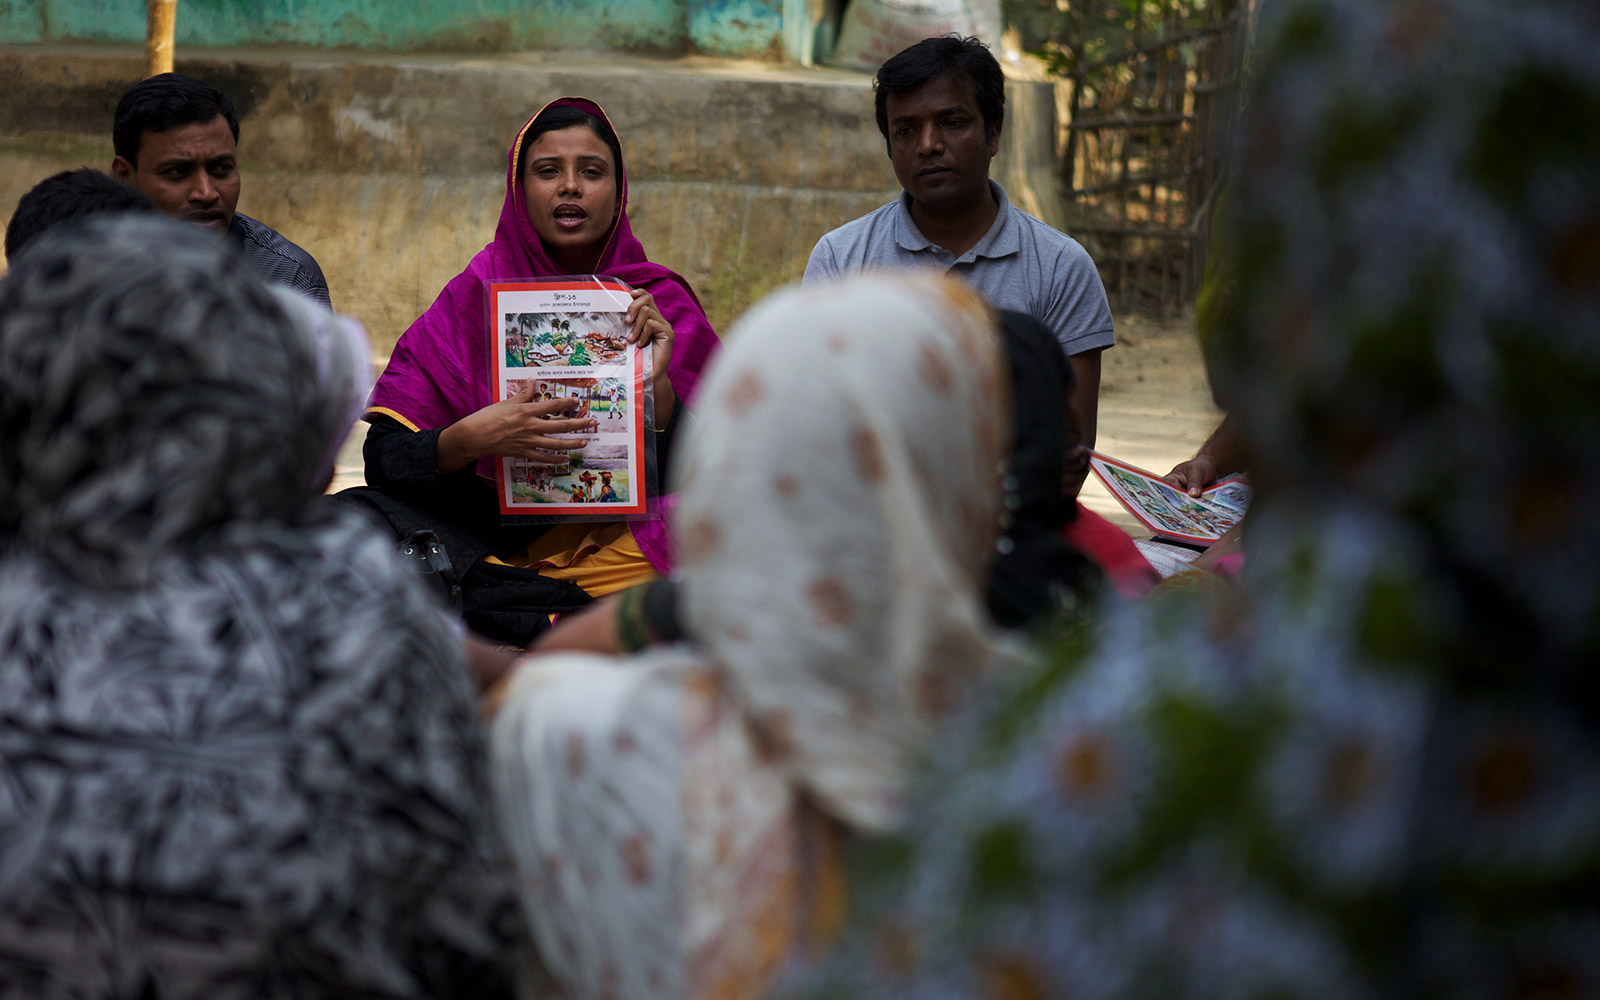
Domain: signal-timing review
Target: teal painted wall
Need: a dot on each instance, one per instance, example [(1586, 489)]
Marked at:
[(736, 27), (20, 21), (720, 27)]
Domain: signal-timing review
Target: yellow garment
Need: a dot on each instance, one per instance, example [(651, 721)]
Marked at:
[(601, 557), (789, 906)]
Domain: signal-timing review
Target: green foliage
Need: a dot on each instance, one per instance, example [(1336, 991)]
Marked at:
[(1084, 33), (1018, 708), (1541, 119), (1540, 387), (1395, 348), (1002, 862), (1394, 627), (1362, 136), (1205, 775), (1305, 32)]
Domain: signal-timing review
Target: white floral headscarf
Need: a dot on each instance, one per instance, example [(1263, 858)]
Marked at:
[(838, 501)]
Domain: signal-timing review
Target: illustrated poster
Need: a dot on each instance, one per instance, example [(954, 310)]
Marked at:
[(570, 339), (1169, 512)]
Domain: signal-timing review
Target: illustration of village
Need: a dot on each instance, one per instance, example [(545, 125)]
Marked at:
[(598, 473), (573, 340)]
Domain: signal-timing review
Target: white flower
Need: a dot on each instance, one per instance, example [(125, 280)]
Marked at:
[(1340, 782)]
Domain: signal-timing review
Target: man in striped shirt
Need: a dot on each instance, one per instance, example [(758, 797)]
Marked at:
[(176, 140)]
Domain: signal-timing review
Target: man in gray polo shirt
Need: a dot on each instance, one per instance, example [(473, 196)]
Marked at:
[(940, 105)]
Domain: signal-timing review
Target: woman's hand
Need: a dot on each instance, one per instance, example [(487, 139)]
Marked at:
[(519, 427), (591, 630), (488, 663), (646, 325)]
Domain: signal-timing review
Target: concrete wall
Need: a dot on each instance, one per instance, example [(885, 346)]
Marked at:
[(745, 28), (392, 171)]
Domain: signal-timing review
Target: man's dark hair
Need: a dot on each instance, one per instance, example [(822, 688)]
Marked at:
[(565, 116), (950, 55), (169, 100), (71, 194)]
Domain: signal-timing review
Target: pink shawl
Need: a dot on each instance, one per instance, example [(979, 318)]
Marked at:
[(439, 371)]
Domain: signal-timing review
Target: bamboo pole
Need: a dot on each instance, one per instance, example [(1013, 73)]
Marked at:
[(160, 24)]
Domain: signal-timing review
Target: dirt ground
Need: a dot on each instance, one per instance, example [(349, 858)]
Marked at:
[(1155, 407)]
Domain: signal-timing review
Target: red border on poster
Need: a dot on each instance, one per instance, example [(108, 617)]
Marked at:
[(635, 363)]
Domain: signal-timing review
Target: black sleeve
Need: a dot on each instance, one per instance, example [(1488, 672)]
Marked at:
[(681, 417), (399, 463)]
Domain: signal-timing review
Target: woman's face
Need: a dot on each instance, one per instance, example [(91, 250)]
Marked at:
[(569, 187)]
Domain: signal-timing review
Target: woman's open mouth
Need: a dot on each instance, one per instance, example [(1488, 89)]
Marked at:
[(569, 216)]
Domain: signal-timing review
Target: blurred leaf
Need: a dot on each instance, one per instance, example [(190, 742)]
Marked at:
[(1541, 120)]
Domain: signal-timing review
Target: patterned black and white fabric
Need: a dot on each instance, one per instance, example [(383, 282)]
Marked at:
[(238, 748), (273, 257)]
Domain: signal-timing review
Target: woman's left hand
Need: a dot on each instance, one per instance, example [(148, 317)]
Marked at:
[(646, 325)]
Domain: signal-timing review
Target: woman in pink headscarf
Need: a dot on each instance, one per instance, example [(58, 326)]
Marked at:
[(436, 428)]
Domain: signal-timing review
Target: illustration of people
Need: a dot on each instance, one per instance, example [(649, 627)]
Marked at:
[(579, 495), (608, 492), (615, 395)]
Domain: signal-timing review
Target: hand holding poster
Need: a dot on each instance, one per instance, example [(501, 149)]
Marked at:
[(1171, 513), (567, 339)]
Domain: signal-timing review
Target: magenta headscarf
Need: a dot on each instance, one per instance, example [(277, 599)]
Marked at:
[(439, 371)]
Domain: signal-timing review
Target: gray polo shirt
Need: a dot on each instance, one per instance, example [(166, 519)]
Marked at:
[(1020, 264)]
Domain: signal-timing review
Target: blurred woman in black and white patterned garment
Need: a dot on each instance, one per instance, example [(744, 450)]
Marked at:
[(238, 749)]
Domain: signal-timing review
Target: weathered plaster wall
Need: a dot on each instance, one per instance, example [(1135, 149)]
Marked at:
[(391, 171), (744, 28)]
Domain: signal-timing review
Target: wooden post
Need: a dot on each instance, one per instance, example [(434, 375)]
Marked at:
[(1069, 156), (161, 22)]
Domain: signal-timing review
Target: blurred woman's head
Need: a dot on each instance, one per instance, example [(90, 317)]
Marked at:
[(570, 165), (154, 391), (839, 503), (1410, 340), (1037, 574)]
